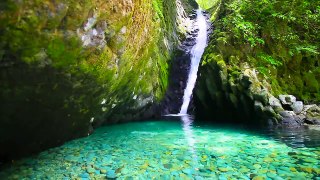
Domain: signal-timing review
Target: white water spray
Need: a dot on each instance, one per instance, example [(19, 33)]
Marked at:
[(196, 54)]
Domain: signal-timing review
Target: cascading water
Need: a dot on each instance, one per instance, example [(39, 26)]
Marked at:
[(196, 54)]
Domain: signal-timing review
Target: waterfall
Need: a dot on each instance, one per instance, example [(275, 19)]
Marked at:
[(196, 54)]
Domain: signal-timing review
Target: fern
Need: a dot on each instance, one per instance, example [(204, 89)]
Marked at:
[(269, 60)]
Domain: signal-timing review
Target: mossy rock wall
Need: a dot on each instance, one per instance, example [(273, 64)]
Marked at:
[(66, 66), (278, 40)]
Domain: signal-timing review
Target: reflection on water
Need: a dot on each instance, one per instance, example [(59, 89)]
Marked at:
[(308, 136), (187, 122)]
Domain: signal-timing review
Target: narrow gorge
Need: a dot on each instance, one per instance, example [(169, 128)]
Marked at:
[(160, 89)]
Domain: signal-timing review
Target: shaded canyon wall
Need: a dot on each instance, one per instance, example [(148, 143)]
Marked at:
[(69, 66)]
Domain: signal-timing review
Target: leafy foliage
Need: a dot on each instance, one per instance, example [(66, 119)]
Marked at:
[(205, 4), (281, 39), (265, 62), (270, 60), (247, 21)]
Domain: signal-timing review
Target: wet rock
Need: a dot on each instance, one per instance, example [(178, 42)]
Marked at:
[(253, 175), (291, 122), (271, 175), (307, 107), (213, 156), (90, 170), (292, 153), (187, 171), (258, 106), (190, 38), (111, 174), (306, 169), (168, 166), (261, 96), (287, 99), (313, 115), (84, 175), (287, 114), (222, 169), (103, 171), (222, 177), (192, 16), (199, 178), (71, 158), (290, 119), (258, 178), (190, 43), (268, 110), (314, 127), (272, 122), (244, 170), (301, 117), (257, 166), (275, 104), (195, 31), (246, 79), (297, 107)]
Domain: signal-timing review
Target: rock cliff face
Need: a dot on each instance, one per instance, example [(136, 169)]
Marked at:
[(69, 66), (254, 57)]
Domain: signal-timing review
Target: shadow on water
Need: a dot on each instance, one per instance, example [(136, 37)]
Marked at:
[(297, 138), (304, 136)]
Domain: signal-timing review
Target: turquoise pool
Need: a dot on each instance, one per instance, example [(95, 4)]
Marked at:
[(172, 149)]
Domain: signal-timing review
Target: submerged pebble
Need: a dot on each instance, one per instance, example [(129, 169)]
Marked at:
[(111, 174), (161, 150)]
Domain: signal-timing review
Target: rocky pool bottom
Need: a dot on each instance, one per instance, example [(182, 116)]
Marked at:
[(171, 149)]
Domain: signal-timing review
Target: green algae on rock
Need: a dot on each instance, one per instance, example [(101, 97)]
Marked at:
[(66, 66), (279, 46)]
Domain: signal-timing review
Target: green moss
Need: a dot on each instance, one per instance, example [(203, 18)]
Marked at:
[(272, 41), (205, 4), (311, 82), (48, 75), (63, 52)]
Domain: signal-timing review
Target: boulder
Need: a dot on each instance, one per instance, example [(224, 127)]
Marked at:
[(287, 114), (287, 99), (261, 96), (314, 127), (245, 78), (275, 103), (290, 122), (297, 107), (306, 108), (258, 106), (269, 111), (290, 119), (313, 115)]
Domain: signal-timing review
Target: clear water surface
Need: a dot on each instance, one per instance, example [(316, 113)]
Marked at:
[(176, 149)]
